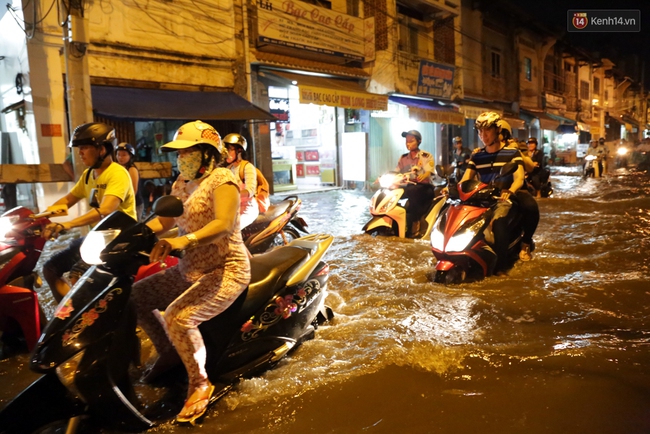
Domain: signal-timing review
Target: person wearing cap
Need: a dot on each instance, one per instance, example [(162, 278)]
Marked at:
[(210, 276), (125, 156), (605, 151), (537, 158), (96, 142), (419, 164), (460, 155), (597, 151)]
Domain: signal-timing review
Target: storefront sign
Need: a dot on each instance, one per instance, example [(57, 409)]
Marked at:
[(435, 80), (342, 98), (279, 107), (303, 26), (51, 130), (439, 116)]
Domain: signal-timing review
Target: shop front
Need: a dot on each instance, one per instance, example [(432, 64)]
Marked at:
[(320, 134)]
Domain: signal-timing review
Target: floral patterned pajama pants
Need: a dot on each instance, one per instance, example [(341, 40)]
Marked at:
[(186, 305)]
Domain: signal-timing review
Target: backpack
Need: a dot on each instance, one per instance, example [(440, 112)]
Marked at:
[(262, 193)]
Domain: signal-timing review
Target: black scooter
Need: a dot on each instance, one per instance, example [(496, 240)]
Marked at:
[(86, 349)]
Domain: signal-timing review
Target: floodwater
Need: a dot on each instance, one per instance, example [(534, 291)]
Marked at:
[(561, 344)]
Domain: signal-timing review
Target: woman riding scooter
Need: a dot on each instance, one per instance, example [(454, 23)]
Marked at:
[(214, 271)]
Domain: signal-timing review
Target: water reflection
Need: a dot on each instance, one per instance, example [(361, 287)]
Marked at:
[(559, 345)]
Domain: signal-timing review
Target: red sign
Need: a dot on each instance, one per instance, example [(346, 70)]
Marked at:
[(579, 20), (51, 130)]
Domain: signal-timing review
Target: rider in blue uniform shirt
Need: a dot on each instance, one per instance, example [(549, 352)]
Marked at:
[(420, 194)]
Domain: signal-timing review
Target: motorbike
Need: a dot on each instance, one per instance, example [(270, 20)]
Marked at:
[(546, 188), (621, 157), (279, 225), (388, 207), (593, 166), (85, 351), (21, 245), (462, 241)]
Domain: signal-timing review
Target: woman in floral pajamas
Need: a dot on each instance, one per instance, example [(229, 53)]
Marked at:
[(214, 271)]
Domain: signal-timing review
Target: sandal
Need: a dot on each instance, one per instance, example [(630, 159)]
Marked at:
[(199, 397)]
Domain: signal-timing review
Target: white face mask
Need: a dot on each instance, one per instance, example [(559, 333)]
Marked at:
[(189, 164)]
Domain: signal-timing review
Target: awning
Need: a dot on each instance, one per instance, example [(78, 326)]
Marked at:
[(545, 121), (430, 111), (333, 92), (562, 119), (515, 123), (146, 104), (472, 111), (629, 120)]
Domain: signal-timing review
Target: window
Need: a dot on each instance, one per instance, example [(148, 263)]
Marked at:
[(411, 25), (596, 85), (606, 95), (352, 7), (444, 49), (584, 89), (496, 64), (568, 67), (528, 68), (320, 3)]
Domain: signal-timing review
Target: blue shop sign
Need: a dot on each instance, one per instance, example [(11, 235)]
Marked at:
[(435, 80)]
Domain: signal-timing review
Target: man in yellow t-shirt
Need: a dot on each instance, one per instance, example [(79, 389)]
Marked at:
[(96, 142)]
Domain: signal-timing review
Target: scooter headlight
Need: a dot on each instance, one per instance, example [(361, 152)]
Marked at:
[(6, 225), (387, 180), (94, 243), (459, 241), (622, 151), (437, 239)]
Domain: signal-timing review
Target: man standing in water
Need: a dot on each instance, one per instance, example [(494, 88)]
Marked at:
[(420, 194)]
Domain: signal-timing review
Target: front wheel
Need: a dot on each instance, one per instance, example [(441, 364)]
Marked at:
[(290, 234)]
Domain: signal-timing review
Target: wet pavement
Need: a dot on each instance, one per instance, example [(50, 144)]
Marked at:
[(560, 344)]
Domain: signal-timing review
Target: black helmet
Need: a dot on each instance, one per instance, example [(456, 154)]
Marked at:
[(235, 139), (532, 140), (601, 140), (126, 147), (94, 134), (457, 139)]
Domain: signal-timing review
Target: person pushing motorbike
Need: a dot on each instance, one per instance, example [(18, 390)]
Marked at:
[(488, 163), (96, 142), (420, 164)]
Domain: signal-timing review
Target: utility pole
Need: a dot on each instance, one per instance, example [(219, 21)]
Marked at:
[(80, 108), (76, 39)]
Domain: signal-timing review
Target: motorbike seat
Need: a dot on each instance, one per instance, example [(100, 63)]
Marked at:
[(273, 212), (270, 272)]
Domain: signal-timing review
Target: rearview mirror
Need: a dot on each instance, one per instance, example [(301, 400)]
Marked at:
[(168, 206)]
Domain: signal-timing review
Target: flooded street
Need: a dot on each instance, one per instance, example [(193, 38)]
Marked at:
[(559, 345)]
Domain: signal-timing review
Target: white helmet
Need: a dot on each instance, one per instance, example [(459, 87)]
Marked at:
[(486, 120), (192, 134)]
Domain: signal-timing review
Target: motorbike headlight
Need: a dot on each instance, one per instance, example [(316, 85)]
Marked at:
[(67, 372), (95, 242), (387, 180), (622, 151), (459, 242), (590, 157), (6, 225), (437, 239)]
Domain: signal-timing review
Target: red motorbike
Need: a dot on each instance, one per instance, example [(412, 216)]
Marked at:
[(21, 245), (462, 240)]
